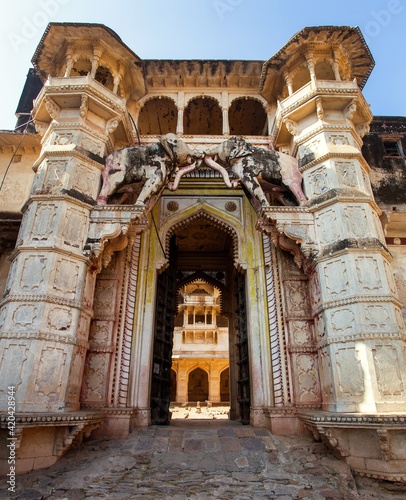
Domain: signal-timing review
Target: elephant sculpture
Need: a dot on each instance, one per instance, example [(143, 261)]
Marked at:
[(154, 164), (250, 163)]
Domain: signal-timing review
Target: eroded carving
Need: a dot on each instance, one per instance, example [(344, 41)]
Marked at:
[(247, 162), (153, 164)]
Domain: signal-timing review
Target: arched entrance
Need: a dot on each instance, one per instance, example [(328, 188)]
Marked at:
[(201, 248), (198, 385)]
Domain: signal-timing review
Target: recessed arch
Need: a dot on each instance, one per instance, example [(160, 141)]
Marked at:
[(198, 385), (202, 214), (203, 116), (324, 70), (300, 78), (247, 116), (104, 76), (81, 67), (158, 116)]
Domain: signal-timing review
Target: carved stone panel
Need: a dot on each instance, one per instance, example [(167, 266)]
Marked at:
[(320, 326), (91, 144), (357, 222), (33, 272), (368, 276), (100, 334), (44, 226), (75, 380), (63, 138), (347, 174), (377, 317), (74, 227), (343, 320), (327, 227), (49, 380), (105, 298), (297, 298), (39, 177), (95, 378), (66, 278), (388, 372), (14, 354), (350, 373), (378, 227), (302, 335), (85, 180), (315, 290), (336, 278), (59, 318), (318, 182), (24, 315), (307, 378), (55, 177), (338, 139)]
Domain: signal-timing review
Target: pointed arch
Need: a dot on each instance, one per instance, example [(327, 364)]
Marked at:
[(216, 221)]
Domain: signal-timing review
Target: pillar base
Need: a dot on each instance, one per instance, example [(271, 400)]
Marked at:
[(373, 445), (38, 440)]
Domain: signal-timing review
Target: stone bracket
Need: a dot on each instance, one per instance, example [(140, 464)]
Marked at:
[(292, 229), (68, 425), (108, 230), (350, 435)]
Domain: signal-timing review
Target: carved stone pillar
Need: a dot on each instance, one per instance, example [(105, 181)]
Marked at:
[(179, 124), (226, 125), (214, 388), (45, 323), (359, 327)]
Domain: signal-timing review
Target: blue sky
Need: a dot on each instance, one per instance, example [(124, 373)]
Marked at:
[(210, 29)]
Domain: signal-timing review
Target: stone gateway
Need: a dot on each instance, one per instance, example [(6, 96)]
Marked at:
[(203, 233)]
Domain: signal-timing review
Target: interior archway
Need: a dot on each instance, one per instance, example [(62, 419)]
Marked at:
[(201, 257), (198, 385), (247, 116), (203, 116), (158, 116)]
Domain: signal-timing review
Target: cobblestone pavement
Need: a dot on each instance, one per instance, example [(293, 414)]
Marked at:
[(202, 461)]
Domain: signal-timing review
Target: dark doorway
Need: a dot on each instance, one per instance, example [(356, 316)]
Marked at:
[(202, 248), (198, 385)]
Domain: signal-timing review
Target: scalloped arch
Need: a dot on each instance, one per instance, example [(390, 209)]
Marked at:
[(201, 96), (260, 99), (201, 276), (142, 102), (220, 224)]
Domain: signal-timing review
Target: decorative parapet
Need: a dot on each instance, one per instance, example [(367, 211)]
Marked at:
[(291, 228), (371, 444)]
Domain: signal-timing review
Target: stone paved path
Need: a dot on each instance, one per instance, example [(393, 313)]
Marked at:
[(202, 461)]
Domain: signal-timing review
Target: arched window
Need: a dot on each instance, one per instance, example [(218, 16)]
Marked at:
[(203, 116), (104, 76), (157, 117), (324, 71), (300, 78), (247, 117), (81, 67)]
